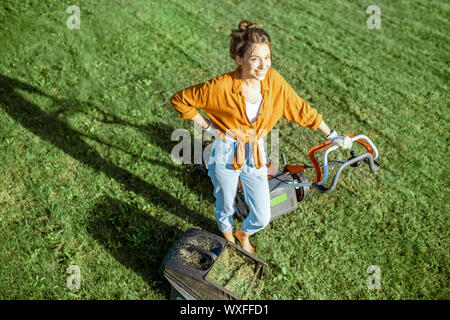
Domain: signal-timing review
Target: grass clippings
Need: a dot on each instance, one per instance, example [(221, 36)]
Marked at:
[(233, 270)]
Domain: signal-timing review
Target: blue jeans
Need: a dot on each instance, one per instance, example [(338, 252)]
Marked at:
[(225, 181)]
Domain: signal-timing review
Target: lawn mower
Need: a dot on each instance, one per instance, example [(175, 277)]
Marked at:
[(290, 186)]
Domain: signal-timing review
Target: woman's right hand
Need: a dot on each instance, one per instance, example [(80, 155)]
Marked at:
[(206, 124), (202, 121)]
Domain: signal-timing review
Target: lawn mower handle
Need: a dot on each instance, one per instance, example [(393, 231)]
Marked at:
[(369, 157), (366, 157)]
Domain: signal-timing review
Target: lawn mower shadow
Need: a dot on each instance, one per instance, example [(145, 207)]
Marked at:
[(135, 239)]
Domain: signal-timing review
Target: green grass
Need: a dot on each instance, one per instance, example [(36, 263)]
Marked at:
[(85, 125)]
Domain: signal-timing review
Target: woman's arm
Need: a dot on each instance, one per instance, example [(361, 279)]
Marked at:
[(324, 128), (187, 101)]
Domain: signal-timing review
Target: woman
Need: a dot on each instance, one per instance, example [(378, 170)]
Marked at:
[(242, 107)]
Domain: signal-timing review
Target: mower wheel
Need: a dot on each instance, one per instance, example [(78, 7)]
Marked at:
[(301, 192)]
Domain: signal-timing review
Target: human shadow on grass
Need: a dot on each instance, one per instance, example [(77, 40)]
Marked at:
[(160, 135), (135, 238), (156, 134), (50, 128)]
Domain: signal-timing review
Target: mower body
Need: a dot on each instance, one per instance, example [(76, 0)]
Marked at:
[(283, 197)]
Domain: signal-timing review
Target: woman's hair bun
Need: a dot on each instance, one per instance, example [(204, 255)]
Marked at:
[(244, 25)]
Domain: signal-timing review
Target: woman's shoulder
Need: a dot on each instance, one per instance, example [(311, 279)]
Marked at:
[(226, 77), (274, 79), (273, 73), (223, 81)]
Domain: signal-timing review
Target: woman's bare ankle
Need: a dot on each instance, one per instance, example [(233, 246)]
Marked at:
[(241, 235), (229, 236), (245, 241)]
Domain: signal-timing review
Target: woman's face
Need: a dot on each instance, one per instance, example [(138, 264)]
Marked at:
[(255, 62)]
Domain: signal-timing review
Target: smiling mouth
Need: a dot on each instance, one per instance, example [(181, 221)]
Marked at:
[(260, 73)]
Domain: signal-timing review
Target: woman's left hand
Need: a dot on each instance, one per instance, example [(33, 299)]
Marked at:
[(343, 142)]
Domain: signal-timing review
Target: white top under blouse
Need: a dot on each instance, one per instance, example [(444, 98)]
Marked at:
[(252, 110)]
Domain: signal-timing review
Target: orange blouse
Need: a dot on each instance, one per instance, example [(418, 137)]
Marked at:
[(222, 100)]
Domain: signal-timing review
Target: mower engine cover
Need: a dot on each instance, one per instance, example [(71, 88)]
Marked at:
[(283, 199)]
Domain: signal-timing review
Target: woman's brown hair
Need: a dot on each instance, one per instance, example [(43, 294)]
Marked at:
[(245, 36)]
